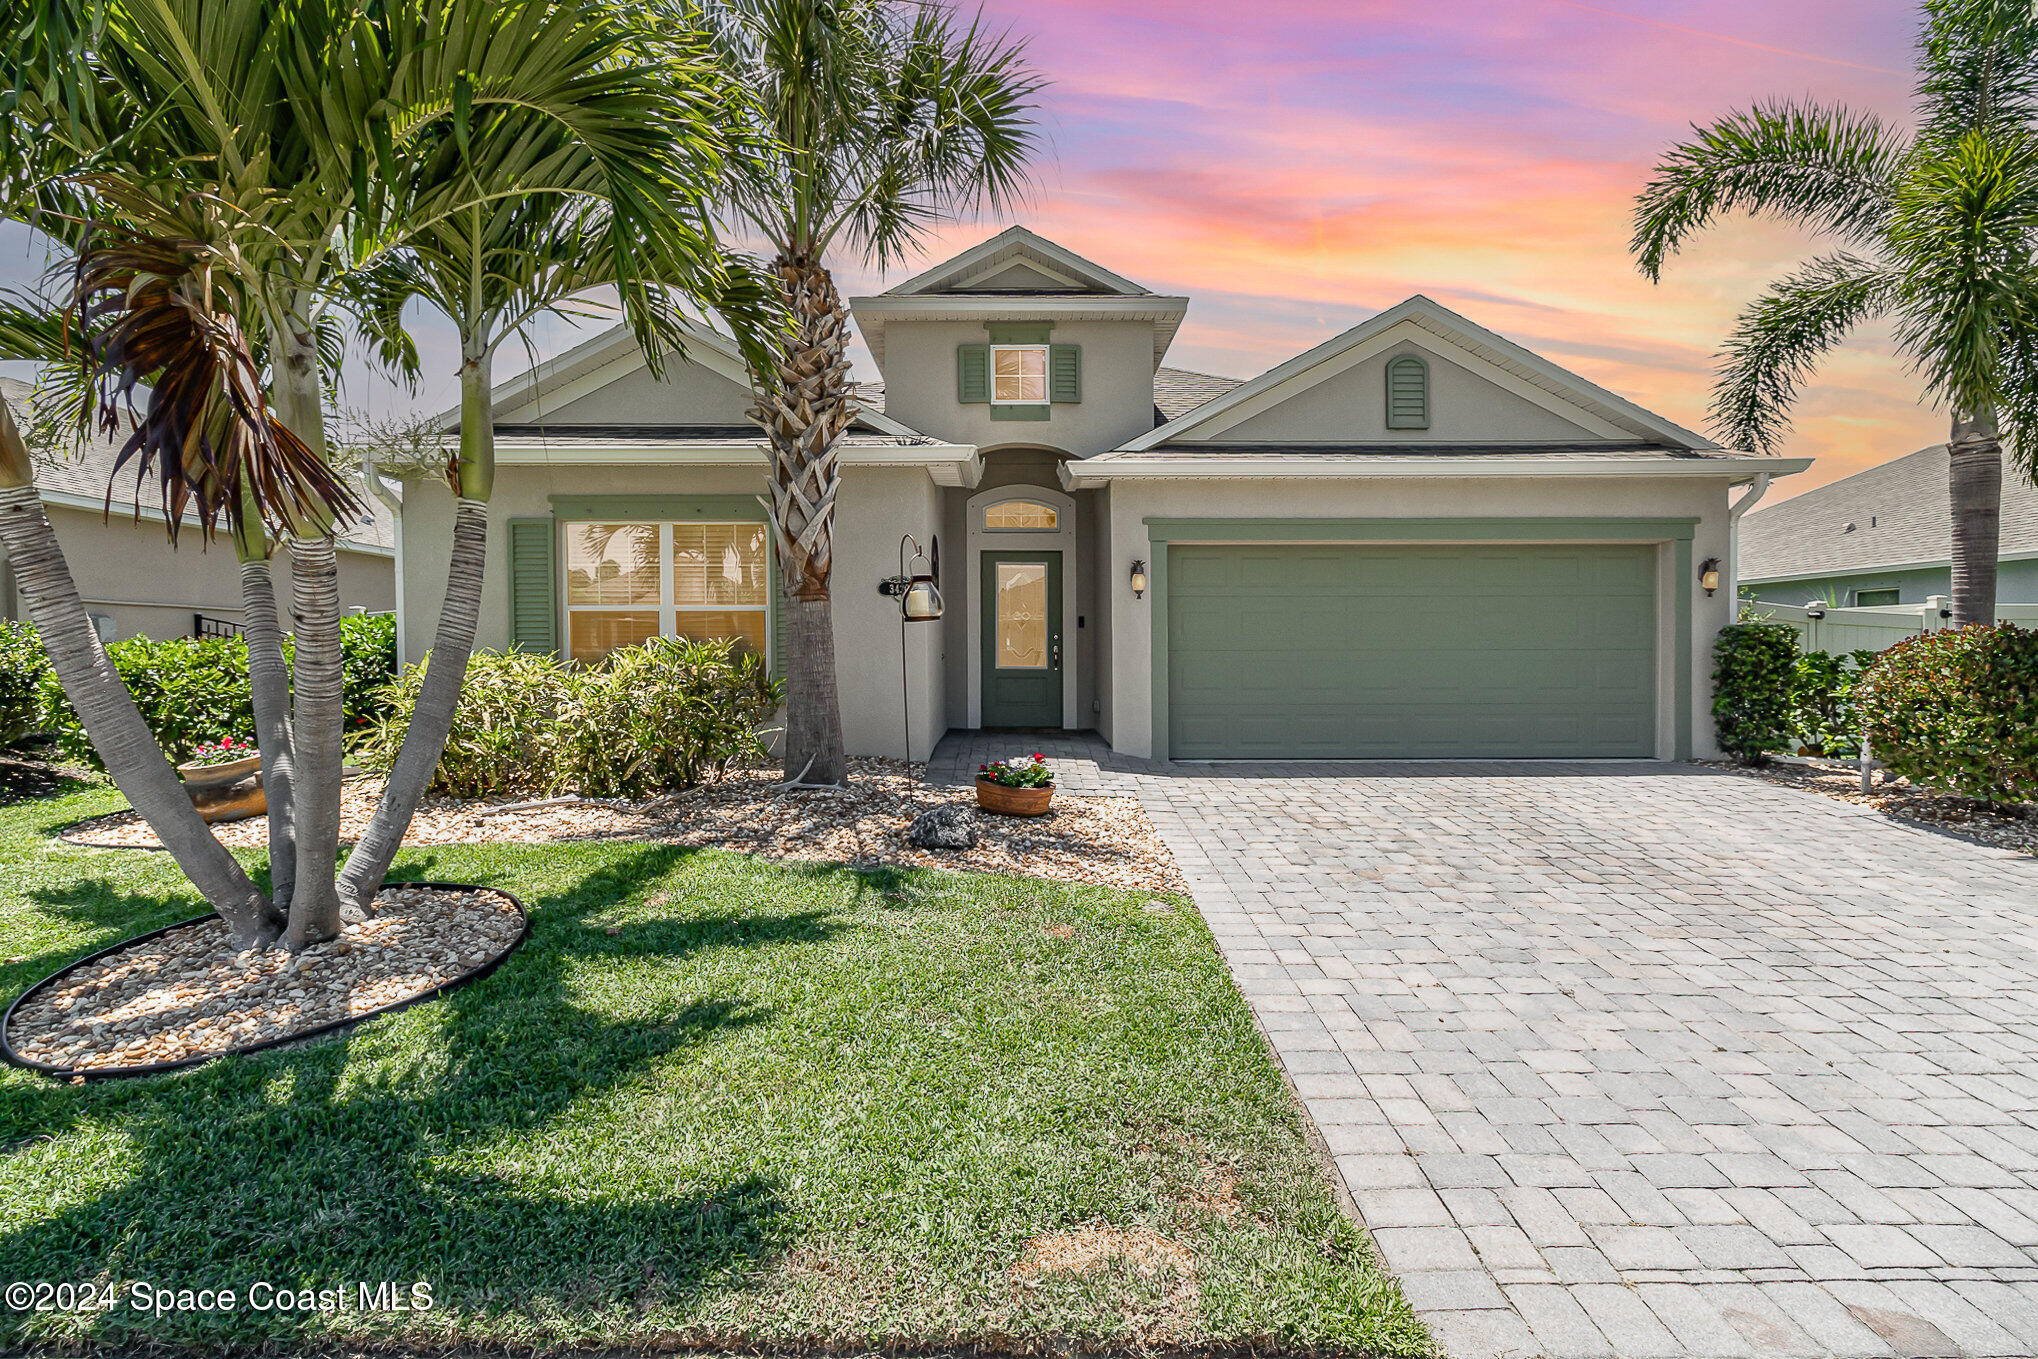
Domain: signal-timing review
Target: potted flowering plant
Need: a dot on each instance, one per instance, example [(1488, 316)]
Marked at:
[(1020, 786), (214, 775)]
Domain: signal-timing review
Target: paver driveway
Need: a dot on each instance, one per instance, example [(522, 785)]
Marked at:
[(1643, 1060)]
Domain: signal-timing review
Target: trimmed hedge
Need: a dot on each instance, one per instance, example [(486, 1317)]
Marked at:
[(192, 690), (662, 715), (1958, 710), (1754, 665), (1824, 718)]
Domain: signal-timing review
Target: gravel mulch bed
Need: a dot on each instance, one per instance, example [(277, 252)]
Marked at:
[(1103, 840), (2004, 827), (185, 994)]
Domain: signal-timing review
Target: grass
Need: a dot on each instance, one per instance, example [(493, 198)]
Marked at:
[(713, 1101)]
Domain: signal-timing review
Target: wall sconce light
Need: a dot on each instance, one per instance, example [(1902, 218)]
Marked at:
[(1139, 579), (1815, 609), (919, 597), (1709, 575)]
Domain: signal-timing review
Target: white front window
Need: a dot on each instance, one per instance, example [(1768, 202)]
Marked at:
[(628, 582), (1018, 374)]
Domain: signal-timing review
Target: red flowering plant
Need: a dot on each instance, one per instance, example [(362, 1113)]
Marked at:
[(1021, 771), (223, 751)]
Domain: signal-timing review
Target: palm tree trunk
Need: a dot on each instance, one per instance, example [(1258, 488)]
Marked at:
[(317, 731), (424, 740), (126, 746), (804, 408), (1975, 486), (269, 687)]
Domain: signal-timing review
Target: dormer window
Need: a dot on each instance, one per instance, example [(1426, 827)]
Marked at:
[(1018, 374), (1407, 393)]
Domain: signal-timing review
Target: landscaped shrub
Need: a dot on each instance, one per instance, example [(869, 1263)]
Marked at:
[(1753, 666), (664, 715), (505, 732), (191, 690), (22, 663), (1958, 710), (1823, 715)]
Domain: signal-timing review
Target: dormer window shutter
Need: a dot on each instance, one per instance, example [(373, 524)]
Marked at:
[(973, 374), (1407, 393), (1065, 374)]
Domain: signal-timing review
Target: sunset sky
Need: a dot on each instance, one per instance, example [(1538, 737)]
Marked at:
[(1295, 165)]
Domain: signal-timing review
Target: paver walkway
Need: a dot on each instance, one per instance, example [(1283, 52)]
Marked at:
[(1643, 1060)]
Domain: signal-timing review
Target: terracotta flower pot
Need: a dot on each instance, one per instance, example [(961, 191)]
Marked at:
[(226, 792), (996, 797)]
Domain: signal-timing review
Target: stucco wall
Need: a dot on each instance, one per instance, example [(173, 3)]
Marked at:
[(130, 573), (875, 507), (2016, 583), (1352, 406), (687, 394), (1128, 674), (1117, 399)]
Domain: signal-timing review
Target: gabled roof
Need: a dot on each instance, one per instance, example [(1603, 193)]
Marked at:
[(615, 353), (1438, 327), (1893, 515), (79, 478), (1177, 391), (975, 286), (1016, 244)]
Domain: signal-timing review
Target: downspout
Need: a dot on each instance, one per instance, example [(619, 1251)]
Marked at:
[(1756, 490), (392, 498)]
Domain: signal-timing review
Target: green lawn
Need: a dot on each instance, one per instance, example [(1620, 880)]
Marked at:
[(712, 1101)]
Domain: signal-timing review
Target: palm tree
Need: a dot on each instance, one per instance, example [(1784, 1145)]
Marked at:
[(205, 251), (873, 121), (611, 221), (1936, 231)]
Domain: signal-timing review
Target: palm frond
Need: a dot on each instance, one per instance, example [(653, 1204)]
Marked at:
[(1824, 169), (1977, 67), (1780, 338), (1964, 228), (159, 304)]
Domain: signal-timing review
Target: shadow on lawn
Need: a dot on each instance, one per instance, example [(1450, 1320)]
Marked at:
[(366, 1157)]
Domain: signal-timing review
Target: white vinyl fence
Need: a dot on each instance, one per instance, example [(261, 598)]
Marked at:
[(1821, 627)]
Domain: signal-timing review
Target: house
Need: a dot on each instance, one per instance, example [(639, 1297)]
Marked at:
[(1882, 536), (1417, 539), (135, 583)]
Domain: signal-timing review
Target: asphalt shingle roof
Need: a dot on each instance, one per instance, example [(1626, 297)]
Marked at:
[(89, 470), (1177, 391), (1889, 515)]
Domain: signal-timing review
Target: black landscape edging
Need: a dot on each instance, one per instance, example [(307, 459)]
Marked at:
[(102, 1073)]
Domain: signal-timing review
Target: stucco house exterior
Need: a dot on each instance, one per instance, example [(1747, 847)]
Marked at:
[(1882, 536), (1417, 539), (135, 583)]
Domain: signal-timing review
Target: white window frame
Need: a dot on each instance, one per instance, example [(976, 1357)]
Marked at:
[(1046, 378), (667, 608)]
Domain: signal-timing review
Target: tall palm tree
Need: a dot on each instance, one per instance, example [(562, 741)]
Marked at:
[(873, 120), (492, 272), (1936, 233)]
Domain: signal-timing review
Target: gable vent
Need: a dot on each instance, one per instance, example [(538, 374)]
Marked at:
[(1407, 393)]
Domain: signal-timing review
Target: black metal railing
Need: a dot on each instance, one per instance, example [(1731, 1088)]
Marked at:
[(204, 625)]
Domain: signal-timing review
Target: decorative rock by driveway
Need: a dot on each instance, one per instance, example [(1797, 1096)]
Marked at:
[(1641, 1060)]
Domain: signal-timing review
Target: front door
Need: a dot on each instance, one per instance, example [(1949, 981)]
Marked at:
[(1022, 639)]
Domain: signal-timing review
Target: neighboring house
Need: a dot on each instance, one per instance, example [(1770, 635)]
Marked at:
[(136, 583), (1417, 539), (1883, 536)]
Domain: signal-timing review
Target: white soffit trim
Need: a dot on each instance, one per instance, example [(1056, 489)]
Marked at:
[(1487, 354), (1094, 472), (947, 464)]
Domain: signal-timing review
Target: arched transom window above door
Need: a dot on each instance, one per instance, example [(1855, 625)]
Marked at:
[(1021, 516)]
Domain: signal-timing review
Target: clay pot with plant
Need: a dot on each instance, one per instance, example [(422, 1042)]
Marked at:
[(1020, 786)]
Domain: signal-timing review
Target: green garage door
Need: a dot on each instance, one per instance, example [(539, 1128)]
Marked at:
[(1433, 651)]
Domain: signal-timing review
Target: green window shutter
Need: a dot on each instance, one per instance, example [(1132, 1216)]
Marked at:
[(973, 374), (534, 600), (1407, 393), (1065, 373)]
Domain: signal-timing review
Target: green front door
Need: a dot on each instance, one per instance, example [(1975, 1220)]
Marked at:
[(1430, 651), (1022, 639)]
